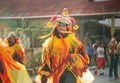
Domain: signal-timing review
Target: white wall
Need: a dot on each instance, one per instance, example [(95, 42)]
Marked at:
[(108, 22)]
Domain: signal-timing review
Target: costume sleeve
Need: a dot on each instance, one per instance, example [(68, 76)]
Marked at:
[(21, 51)]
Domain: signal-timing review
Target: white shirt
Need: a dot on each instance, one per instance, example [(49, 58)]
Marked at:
[(100, 52)]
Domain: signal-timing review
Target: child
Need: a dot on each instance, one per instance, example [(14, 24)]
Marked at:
[(100, 59)]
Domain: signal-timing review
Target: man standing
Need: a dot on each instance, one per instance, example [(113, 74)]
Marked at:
[(113, 50)]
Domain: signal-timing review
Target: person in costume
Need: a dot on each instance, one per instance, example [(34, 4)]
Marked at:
[(5, 62), (14, 42), (11, 71), (64, 58)]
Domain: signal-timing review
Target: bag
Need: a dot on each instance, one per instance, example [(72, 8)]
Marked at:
[(87, 77)]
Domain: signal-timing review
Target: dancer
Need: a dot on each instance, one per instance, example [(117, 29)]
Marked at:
[(11, 71), (64, 58), (14, 42)]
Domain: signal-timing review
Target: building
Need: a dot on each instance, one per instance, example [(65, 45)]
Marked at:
[(90, 15)]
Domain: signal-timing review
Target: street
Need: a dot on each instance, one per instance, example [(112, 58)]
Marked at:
[(105, 78), (100, 78)]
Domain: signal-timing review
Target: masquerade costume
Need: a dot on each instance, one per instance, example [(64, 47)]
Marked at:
[(5, 62), (18, 54), (10, 70), (64, 56)]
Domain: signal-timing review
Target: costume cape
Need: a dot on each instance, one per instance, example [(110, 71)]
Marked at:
[(12, 71), (60, 54)]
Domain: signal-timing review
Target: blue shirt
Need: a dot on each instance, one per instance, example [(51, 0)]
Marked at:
[(89, 51)]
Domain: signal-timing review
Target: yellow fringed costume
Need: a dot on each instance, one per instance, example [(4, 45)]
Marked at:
[(59, 58), (13, 42), (18, 49), (64, 56)]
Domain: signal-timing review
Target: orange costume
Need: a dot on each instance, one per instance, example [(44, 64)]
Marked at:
[(11, 71), (18, 54), (6, 63)]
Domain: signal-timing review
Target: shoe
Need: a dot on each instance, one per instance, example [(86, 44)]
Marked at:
[(102, 73), (111, 78)]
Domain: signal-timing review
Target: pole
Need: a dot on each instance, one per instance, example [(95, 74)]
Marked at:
[(112, 24)]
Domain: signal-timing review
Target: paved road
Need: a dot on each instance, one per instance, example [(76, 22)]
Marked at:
[(105, 78), (101, 78)]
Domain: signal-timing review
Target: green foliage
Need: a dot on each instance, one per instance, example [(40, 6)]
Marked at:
[(34, 30), (37, 59), (36, 26), (18, 23), (11, 24)]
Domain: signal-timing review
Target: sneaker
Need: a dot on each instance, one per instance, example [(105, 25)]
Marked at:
[(111, 78)]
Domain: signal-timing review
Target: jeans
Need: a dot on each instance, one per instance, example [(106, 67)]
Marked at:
[(113, 65)]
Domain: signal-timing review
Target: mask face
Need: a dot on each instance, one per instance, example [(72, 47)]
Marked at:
[(12, 41), (57, 32), (62, 27)]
